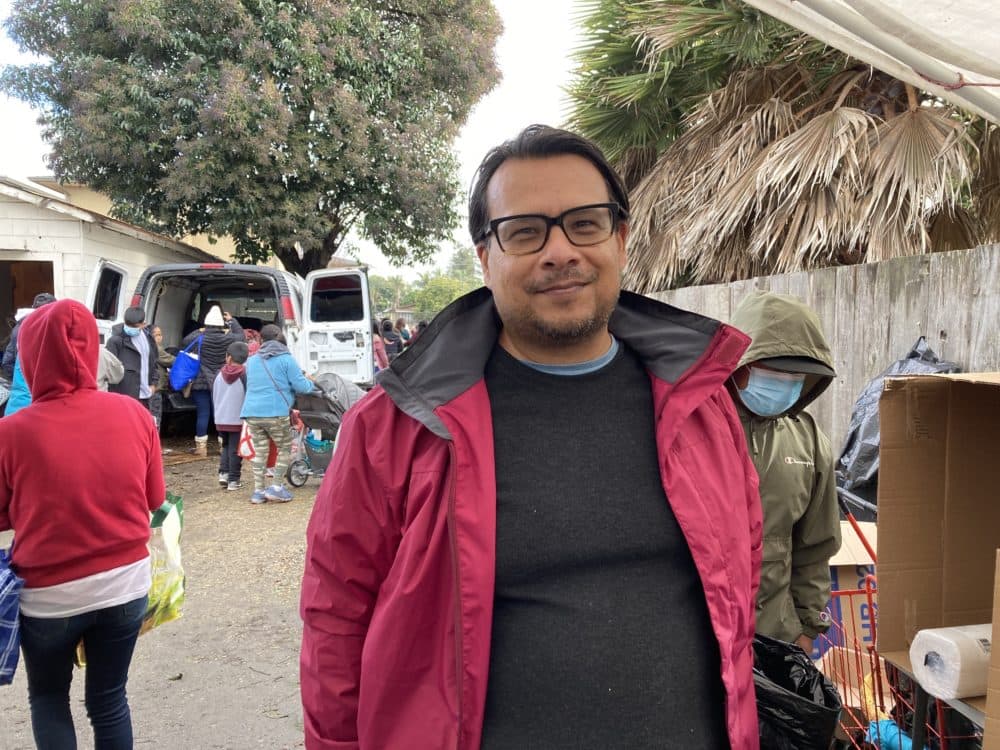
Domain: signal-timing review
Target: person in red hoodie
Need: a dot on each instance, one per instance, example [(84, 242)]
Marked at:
[(79, 544)]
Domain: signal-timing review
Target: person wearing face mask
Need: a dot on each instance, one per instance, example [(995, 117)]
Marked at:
[(131, 343), (788, 366)]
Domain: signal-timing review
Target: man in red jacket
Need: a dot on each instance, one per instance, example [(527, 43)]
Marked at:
[(542, 528)]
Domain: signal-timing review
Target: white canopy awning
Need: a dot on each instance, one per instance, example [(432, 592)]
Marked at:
[(942, 46)]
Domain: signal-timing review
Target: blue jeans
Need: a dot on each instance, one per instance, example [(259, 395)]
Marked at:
[(203, 406), (230, 462), (48, 645)]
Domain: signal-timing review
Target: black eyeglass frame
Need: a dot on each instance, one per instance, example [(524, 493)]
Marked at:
[(617, 214)]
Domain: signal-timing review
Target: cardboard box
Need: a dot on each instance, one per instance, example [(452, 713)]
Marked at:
[(851, 614), (938, 508)]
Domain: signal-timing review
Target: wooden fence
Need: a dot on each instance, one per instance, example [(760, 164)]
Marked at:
[(872, 315)]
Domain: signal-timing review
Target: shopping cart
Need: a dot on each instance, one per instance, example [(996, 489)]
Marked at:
[(879, 701)]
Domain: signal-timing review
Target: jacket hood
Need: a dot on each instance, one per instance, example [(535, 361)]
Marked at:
[(58, 349), (450, 355), (272, 349), (232, 373), (781, 326)]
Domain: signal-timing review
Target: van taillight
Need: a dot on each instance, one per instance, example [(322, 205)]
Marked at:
[(287, 310), (211, 265), (136, 300)]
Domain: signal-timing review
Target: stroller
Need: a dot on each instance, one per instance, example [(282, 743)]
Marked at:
[(321, 410)]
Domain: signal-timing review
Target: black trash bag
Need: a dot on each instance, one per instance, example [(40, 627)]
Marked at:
[(797, 706), (857, 467)]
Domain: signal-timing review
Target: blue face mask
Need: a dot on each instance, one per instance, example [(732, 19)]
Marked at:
[(769, 393), (130, 331)]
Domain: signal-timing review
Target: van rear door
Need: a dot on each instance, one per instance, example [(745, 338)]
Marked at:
[(106, 296), (336, 324)]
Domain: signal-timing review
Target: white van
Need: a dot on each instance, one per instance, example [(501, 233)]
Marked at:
[(326, 317)]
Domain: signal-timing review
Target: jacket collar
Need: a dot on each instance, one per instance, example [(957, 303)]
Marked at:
[(450, 356)]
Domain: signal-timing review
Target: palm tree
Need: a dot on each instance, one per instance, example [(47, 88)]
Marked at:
[(773, 152)]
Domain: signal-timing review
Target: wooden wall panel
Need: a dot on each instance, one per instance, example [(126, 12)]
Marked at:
[(873, 314)]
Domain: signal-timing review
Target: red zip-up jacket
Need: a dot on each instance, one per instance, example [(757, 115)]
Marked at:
[(397, 596)]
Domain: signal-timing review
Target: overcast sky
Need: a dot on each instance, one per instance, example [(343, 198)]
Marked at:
[(533, 54)]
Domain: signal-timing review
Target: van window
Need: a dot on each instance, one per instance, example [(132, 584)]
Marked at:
[(337, 299), (106, 301)]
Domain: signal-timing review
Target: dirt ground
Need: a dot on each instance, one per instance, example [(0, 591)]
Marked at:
[(225, 675)]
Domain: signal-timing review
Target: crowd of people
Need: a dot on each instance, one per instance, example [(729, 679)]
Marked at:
[(390, 339), (457, 591)]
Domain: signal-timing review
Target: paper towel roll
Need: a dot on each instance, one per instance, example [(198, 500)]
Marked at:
[(952, 662)]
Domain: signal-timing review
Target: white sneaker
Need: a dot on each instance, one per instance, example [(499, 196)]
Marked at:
[(277, 493), (223, 479)]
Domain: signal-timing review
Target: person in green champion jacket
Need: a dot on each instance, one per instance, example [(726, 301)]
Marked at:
[(788, 366)]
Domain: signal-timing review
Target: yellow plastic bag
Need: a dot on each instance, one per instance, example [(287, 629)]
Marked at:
[(166, 594)]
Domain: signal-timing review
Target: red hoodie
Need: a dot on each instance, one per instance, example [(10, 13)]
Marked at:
[(80, 469)]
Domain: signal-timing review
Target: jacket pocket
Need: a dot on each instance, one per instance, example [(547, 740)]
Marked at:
[(775, 611)]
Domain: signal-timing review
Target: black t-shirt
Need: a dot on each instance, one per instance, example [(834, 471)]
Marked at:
[(601, 635)]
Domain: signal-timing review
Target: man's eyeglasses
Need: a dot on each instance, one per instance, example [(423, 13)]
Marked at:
[(585, 225)]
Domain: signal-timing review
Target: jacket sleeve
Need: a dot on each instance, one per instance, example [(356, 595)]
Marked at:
[(751, 497), (751, 483), (351, 542), (109, 368), (815, 539), (114, 345), (299, 382), (151, 359), (164, 358), (10, 354), (156, 489)]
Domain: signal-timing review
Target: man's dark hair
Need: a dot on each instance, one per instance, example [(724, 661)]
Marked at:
[(537, 142), (134, 316), (239, 351), (42, 298), (270, 332)]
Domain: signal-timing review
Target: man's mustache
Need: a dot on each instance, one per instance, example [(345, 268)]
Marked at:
[(571, 275)]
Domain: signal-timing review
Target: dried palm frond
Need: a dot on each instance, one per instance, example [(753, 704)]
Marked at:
[(918, 165), (954, 230), (985, 188)]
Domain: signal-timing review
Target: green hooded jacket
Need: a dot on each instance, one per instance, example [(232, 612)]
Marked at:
[(796, 469)]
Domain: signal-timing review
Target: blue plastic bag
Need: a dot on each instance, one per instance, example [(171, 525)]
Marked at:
[(886, 735), (185, 366), (10, 627)]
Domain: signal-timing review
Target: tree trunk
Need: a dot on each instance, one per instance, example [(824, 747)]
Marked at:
[(311, 259)]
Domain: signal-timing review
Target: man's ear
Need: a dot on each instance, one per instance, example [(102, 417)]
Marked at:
[(622, 234), (483, 251)]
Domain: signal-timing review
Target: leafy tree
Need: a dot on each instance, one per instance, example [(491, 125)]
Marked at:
[(435, 292), (283, 124), (752, 149), (387, 293), (464, 266)]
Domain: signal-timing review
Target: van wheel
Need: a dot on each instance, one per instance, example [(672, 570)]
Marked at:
[(298, 473)]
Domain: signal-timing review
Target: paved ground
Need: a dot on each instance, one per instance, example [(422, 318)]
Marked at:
[(226, 674)]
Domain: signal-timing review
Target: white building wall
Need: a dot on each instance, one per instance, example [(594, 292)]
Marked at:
[(75, 246)]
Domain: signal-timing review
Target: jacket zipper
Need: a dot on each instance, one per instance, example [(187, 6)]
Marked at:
[(453, 538)]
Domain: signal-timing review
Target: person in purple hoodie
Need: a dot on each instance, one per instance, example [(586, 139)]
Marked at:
[(229, 389)]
